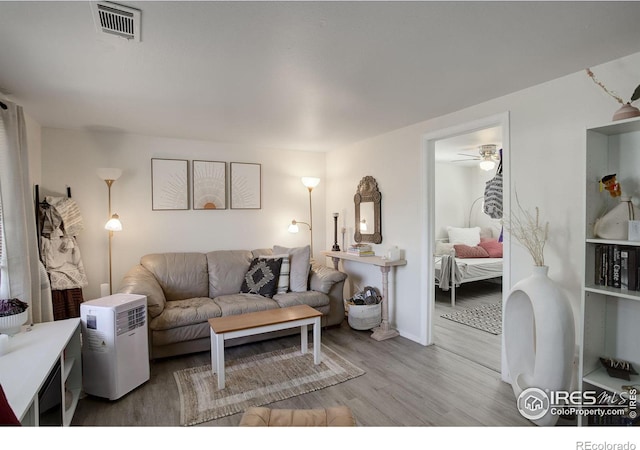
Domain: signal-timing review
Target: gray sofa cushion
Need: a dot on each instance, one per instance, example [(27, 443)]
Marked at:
[(139, 280), (227, 269), (180, 275), (311, 298), (323, 278), (243, 303), (299, 266), (179, 313)]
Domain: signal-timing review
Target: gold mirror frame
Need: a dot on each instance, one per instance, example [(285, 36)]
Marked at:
[(368, 192)]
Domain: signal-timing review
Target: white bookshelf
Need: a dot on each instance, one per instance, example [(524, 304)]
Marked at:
[(33, 354), (609, 316)]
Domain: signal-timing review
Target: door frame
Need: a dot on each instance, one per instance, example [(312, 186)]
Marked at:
[(427, 287)]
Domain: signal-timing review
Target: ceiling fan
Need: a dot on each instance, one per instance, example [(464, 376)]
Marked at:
[(488, 155)]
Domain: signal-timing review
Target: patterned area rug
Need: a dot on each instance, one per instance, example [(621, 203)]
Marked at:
[(256, 381), (486, 317)]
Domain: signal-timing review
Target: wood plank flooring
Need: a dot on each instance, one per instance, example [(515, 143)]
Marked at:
[(406, 384), (476, 345)]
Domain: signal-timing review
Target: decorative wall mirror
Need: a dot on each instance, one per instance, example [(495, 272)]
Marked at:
[(367, 201)]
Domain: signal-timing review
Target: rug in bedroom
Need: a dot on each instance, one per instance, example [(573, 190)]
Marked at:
[(487, 317), (257, 380)]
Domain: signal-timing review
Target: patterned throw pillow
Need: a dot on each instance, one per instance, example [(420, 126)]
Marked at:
[(262, 277), (466, 251), (493, 247), (283, 280)]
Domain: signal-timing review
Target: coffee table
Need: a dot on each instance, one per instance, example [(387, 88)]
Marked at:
[(250, 324)]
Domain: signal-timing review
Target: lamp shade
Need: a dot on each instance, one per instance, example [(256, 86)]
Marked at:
[(310, 182), (293, 228), (109, 173), (487, 164), (114, 223)]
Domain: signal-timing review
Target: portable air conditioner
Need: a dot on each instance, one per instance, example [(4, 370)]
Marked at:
[(115, 352)]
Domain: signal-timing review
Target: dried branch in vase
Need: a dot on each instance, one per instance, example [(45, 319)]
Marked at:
[(526, 228)]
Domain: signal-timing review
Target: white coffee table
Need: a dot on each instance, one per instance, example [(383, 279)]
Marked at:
[(250, 324)]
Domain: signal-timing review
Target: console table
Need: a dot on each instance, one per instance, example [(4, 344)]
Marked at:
[(384, 331), (32, 355)]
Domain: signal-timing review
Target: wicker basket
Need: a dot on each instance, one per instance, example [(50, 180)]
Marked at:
[(365, 317)]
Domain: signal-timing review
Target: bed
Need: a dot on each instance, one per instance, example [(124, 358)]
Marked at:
[(457, 262)]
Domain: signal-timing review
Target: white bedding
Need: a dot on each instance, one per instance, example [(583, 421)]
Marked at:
[(474, 268)]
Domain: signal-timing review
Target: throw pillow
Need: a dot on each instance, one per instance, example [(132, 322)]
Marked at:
[(262, 277), (493, 247), (466, 236), (466, 251), (299, 266), (443, 248), (283, 280)]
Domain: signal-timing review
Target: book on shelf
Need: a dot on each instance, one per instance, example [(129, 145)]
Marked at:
[(617, 266)]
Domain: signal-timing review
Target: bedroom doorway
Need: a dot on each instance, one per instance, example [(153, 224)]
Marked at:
[(466, 320)]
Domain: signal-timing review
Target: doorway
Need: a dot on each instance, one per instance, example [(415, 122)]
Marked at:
[(453, 197)]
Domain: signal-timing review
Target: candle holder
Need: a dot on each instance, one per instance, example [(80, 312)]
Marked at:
[(336, 247)]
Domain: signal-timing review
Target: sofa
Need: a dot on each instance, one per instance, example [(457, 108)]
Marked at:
[(184, 290)]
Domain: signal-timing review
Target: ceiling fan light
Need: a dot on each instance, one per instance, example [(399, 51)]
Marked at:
[(487, 164)]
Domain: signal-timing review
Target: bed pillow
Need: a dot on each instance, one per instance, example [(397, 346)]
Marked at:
[(443, 248), (466, 236), (493, 247), (466, 251)]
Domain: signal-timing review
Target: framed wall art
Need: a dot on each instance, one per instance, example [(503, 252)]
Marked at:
[(245, 185), (209, 184), (169, 184)]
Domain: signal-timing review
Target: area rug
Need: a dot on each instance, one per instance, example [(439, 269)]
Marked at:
[(487, 317), (257, 380)]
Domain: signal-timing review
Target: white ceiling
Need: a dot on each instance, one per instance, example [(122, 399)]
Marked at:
[(299, 75)]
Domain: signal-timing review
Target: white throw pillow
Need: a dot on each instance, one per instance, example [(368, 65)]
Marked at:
[(299, 266), (443, 248), (466, 236)]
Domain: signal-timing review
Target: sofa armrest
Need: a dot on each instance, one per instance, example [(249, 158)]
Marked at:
[(322, 278), (139, 280)]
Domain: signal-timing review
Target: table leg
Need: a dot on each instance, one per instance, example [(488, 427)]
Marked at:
[(220, 359), (317, 355), (304, 339), (384, 331), (214, 352)]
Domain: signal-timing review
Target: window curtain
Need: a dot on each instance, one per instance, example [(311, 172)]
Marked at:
[(21, 271)]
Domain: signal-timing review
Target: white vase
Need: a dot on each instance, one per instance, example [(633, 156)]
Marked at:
[(539, 338), (615, 223)]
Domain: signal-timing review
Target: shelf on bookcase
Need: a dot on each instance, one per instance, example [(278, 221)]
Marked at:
[(614, 242), (613, 292), (600, 378)]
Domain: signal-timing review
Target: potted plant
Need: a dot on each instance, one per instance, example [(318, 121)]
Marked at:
[(13, 313)]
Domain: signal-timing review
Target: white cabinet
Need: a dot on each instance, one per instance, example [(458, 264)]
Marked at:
[(609, 315), (33, 354)]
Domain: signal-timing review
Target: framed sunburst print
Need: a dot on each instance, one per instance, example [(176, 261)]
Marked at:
[(209, 184), (245, 185), (169, 184)]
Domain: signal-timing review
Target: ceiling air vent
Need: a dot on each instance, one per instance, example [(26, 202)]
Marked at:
[(117, 20)]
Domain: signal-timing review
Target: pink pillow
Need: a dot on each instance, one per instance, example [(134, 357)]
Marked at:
[(465, 251), (493, 248)]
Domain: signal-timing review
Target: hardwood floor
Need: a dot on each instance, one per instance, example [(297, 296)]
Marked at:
[(476, 345), (405, 384)]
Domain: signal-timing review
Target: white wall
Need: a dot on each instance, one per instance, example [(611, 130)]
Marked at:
[(34, 146), (547, 140), (71, 157)]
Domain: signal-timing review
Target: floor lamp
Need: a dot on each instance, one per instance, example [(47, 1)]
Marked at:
[(310, 183), (110, 175)]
